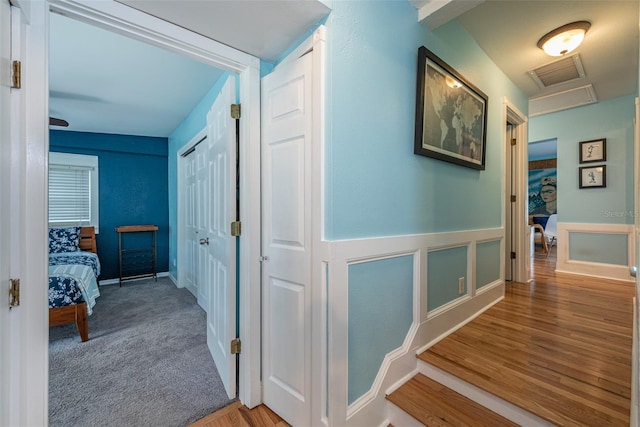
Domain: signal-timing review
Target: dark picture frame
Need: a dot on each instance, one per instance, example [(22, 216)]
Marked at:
[(592, 176), (451, 114), (593, 151)]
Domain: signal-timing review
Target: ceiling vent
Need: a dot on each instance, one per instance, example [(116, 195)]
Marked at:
[(564, 100), (565, 70)]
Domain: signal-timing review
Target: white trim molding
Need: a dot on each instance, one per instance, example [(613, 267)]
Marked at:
[(427, 328), (565, 264), (520, 162)]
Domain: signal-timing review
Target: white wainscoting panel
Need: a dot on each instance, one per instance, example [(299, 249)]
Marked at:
[(372, 408), (594, 269)]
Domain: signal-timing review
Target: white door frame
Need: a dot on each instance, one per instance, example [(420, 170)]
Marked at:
[(116, 17), (635, 353), (520, 227)]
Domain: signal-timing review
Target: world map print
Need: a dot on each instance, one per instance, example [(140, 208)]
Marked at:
[(453, 117)]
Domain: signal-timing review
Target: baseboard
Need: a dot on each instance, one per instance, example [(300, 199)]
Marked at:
[(594, 269), (173, 279)]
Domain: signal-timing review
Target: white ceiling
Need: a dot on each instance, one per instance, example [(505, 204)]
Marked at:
[(262, 28), (106, 83), (102, 82), (508, 32)]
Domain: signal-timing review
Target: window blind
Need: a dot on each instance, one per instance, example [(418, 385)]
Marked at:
[(69, 195)]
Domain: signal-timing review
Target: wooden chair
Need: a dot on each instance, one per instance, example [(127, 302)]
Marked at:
[(540, 237)]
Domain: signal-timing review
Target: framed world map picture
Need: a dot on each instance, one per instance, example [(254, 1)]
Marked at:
[(451, 114)]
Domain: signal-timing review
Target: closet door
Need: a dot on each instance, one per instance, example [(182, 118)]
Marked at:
[(286, 239)]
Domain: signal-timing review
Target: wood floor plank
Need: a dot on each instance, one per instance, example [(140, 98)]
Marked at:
[(435, 405), (559, 347), (238, 415)]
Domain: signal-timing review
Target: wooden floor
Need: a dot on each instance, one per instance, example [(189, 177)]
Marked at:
[(238, 415), (559, 347), (435, 405)]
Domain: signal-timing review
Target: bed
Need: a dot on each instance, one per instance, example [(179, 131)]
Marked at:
[(74, 269)]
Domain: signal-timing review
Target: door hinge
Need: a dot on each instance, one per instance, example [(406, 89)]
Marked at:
[(14, 293), (16, 75), (236, 228), (235, 111), (513, 255), (513, 141), (236, 346), (513, 198)]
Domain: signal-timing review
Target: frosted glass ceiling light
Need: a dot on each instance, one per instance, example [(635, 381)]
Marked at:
[(564, 39)]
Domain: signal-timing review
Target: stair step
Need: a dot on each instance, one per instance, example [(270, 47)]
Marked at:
[(435, 405)]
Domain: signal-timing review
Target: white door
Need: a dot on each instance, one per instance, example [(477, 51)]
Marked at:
[(286, 240), (221, 246), (5, 181), (201, 230), (188, 191)]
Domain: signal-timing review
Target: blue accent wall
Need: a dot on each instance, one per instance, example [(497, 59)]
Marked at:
[(598, 247), (133, 187), (375, 185), (487, 263), (444, 268), (380, 315)]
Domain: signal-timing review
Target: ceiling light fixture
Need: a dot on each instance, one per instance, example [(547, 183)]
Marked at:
[(452, 83), (564, 39)]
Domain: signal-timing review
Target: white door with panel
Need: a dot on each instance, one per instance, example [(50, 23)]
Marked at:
[(190, 241), (219, 243), (5, 226), (202, 214), (286, 239)]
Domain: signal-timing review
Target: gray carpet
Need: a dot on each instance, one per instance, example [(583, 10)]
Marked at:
[(146, 362)]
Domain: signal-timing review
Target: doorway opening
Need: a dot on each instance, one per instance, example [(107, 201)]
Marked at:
[(137, 25), (516, 242), (134, 190)]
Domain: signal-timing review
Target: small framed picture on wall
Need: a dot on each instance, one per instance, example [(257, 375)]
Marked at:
[(593, 151), (593, 177)]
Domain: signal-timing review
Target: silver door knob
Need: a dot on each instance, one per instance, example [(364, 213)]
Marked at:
[(204, 241)]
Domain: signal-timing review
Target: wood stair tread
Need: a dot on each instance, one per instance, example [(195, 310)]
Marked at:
[(435, 405)]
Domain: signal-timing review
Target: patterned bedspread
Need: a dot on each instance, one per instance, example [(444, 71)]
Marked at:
[(72, 279), (79, 257)]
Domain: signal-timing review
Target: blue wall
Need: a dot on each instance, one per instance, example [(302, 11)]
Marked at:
[(381, 324), (487, 270), (375, 185), (133, 187), (444, 268), (612, 120)]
